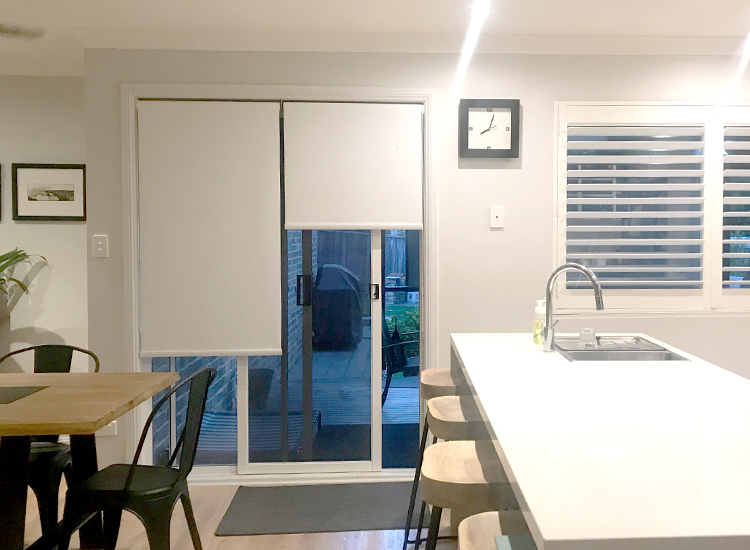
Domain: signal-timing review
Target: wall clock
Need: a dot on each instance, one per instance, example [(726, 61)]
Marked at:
[(488, 128)]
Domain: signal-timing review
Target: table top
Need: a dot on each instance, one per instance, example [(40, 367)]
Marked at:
[(76, 403), (602, 454)]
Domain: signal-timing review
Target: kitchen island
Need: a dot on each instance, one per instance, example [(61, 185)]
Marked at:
[(616, 455)]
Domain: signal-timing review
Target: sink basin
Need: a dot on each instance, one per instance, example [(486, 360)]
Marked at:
[(615, 348), (620, 355)]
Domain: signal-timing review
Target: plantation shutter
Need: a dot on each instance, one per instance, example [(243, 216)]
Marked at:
[(736, 207), (634, 205)]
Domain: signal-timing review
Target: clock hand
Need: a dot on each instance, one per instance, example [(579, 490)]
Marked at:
[(491, 121), (488, 129)]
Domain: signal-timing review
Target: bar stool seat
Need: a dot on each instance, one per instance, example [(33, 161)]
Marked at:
[(439, 382), (465, 476), (478, 532), (456, 418)]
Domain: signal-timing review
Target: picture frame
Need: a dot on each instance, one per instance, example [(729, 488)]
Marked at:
[(489, 128), (49, 192)]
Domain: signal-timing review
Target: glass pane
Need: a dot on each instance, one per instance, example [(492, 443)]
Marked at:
[(341, 352), (400, 348), (217, 443)]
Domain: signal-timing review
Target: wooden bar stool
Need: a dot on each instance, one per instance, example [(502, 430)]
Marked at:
[(478, 532), (432, 383), (465, 476)]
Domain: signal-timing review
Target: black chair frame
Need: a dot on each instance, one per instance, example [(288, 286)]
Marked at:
[(48, 459), (392, 349), (149, 492)]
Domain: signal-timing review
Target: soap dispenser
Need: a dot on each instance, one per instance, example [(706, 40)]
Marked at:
[(539, 314)]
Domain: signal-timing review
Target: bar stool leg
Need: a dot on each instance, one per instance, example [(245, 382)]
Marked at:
[(414, 487), (432, 535)]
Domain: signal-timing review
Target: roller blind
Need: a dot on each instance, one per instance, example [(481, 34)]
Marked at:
[(353, 166), (635, 205), (736, 202), (209, 228)]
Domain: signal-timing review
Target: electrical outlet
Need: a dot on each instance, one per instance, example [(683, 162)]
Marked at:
[(109, 430)]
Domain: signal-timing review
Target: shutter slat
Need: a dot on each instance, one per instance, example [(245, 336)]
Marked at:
[(629, 215), (635, 173), (582, 187), (635, 159), (636, 145), (634, 130), (621, 228), (635, 242), (640, 256), (636, 200)]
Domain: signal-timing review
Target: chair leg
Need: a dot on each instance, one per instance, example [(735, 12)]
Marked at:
[(112, 517), (192, 527), (156, 516), (415, 487), (46, 487), (418, 539), (432, 535), (388, 376)]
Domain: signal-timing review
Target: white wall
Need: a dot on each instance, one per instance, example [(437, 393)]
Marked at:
[(487, 280), (41, 121)]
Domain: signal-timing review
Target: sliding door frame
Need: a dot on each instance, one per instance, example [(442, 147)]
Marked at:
[(130, 94)]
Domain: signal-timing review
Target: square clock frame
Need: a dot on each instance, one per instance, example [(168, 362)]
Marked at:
[(488, 128)]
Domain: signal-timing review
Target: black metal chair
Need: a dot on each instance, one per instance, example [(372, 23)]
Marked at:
[(149, 492), (394, 355), (48, 459)]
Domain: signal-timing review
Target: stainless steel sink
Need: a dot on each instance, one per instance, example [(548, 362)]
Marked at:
[(615, 348)]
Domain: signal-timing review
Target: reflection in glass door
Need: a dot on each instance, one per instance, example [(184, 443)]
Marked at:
[(312, 409)]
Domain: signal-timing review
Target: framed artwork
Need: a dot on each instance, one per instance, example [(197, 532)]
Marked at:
[(49, 192), (488, 128)]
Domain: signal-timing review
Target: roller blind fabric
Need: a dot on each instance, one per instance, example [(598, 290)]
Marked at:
[(209, 228), (353, 165)]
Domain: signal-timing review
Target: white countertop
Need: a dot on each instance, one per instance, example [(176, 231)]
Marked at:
[(601, 453)]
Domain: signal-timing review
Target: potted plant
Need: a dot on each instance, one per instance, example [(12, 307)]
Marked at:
[(12, 287)]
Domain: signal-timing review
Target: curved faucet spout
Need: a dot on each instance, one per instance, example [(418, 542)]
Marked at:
[(548, 333)]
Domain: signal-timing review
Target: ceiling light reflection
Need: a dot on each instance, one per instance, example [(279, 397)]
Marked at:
[(479, 12)]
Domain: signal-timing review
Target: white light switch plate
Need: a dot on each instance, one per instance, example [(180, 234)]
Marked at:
[(100, 246), (497, 217)]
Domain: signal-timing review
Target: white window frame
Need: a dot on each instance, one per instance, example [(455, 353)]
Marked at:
[(642, 300)]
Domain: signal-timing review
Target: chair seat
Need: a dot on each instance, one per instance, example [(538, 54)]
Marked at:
[(456, 418), (440, 382), (466, 475), (147, 480), (478, 532), (49, 455)]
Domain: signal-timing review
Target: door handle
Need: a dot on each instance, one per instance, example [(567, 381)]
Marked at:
[(374, 291), (304, 290)]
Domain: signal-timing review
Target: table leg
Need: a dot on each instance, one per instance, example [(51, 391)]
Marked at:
[(14, 475), (83, 455)]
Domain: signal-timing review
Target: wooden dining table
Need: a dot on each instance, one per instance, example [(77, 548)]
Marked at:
[(61, 403)]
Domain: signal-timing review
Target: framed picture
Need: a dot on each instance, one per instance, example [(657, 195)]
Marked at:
[(47, 192)]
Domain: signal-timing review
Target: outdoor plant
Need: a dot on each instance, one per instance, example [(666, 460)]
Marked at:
[(8, 263)]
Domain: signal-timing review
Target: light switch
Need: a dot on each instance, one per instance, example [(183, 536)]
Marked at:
[(497, 217), (100, 246)]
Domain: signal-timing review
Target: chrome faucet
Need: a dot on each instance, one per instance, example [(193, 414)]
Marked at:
[(548, 332)]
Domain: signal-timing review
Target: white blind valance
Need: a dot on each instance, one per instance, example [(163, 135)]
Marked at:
[(209, 228), (353, 165)]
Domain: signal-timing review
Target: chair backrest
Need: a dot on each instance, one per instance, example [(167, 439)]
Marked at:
[(188, 441), (53, 357)]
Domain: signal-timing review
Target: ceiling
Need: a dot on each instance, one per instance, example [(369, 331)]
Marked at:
[(514, 26)]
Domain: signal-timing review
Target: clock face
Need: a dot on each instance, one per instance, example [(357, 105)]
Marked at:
[(489, 128)]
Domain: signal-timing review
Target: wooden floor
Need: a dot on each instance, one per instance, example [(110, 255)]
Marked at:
[(209, 504)]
